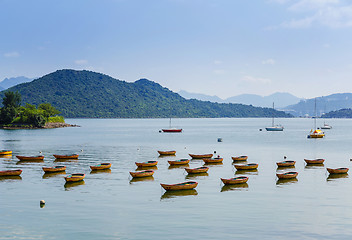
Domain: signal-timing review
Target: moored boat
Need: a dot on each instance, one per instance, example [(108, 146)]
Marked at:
[(5, 152), (30, 158), (287, 175), (146, 173), (147, 164), (337, 170), (172, 130), (197, 170), (16, 172), (179, 162), (317, 133), (287, 163), (213, 160), (101, 166), (75, 177), (240, 158), (180, 186), (71, 156), (236, 180), (167, 152), (54, 169), (248, 166), (314, 161), (200, 156)]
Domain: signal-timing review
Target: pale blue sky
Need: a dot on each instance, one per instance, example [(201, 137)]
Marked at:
[(215, 47)]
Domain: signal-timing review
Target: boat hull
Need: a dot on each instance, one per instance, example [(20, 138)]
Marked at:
[(101, 166), (139, 174), (179, 186), (179, 162), (171, 130), (213, 160), (54, 169), (197, 170), (30, 158), (16, 172), (73, 156), (167, 152), (146, 164), (274, 129), (236, 180), (314, 161), (249, 166), (337, 170), (287, 175), (76, 177), (200, 156), (240, 158), (286, 164), (5, 152)]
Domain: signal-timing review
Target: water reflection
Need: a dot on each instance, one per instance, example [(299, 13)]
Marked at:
[(9, 178), (167, 156), (335, 176), (178, 166), (213, 164), (234, 187), (286, 181), (196, 175), (69, 185), (100, 171), (147, 168), (179, 193), (53, 174), (66, 160), (283, 168), (9, 156), (29, 161), (142, 179), (249, 171), (314, 166)]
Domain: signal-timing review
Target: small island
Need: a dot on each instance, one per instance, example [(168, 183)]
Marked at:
[(15, 116)]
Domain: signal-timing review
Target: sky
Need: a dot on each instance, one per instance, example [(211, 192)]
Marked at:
[(213, 47)]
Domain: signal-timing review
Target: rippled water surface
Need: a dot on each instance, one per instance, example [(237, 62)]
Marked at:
[(111, 205)]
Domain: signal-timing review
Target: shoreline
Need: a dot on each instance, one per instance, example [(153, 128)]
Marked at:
[(49, 125)]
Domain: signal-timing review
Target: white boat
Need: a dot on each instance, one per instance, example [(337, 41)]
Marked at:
[(326, 126), (273, 127)]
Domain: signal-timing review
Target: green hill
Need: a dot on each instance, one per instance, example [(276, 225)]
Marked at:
[(89, 94), (342, 113)]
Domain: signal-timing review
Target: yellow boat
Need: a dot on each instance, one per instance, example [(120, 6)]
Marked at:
[(240, 158), (197, 170), (72, 156), (179, 162), (16, 172), (147, 164), (54, 169), (30, 158), (75, 177), (101, 166), (314, 161), (317, 133), (5, 152), (212, 160), (287, 175), (249, 166), (163, 153), (200, 156), (180, 186), (288, 163), (236, 180), (337, 170), (146, 173)]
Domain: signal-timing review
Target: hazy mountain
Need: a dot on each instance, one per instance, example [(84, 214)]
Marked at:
[(199, 96), (324, 105), (10, 82), (95, 95)]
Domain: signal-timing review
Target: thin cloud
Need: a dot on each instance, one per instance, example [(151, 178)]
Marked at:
[(11, 54), (251, 79), (269, 61)]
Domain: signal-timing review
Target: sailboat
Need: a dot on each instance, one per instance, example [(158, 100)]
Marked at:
[(317, 133), (273, 127), (326, 126), (171, 129)]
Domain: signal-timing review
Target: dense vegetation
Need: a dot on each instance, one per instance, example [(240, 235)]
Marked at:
[(13, 113), (342, 113), (94, 95)]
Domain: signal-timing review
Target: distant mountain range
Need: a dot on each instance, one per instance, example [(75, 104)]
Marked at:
[(281, 100), (93, 95), (10, 82)]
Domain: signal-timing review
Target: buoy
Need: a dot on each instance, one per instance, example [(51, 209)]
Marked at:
[(42, 203), (260, 129), (219, 139)]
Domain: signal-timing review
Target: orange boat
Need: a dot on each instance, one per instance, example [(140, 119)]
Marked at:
[(286, 163), (75, 177), (167, 152), (337, 170), (54, 169), (101, 166), (249, 166), (16, 172), (30, 158), (240, 158), (287, 175), (72, 156), (213, 160), (235, 180), (146, 173), (314, 161), (179, 162), (200, 156), (5, 152), (180, 186), (147, 164), (197, 170)]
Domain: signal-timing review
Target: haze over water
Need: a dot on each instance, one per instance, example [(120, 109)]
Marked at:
[(108, 205)]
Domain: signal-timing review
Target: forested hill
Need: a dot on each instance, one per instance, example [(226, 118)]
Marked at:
[(89, 94)]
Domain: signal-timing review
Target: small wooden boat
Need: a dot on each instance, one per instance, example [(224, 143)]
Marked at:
[(5, 152), (172, 130), (248, 166), (200, 156), (179, 162), (180, 186), (30, 158), (146, 173), (337, 170), (314, 161), (72, 156), (167, 152), (287, 175), (197, 170), (147, 164), (213, 160), (101, 166), (235, 180), (240, 158), (75, 177), (16, 172), (54, 169), (288, 163)]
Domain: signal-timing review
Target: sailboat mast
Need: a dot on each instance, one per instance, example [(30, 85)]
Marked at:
[(170, 123), (272, 121), (315, 113)]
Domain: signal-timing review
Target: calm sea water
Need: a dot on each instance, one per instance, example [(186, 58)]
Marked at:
[(109, 205)]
